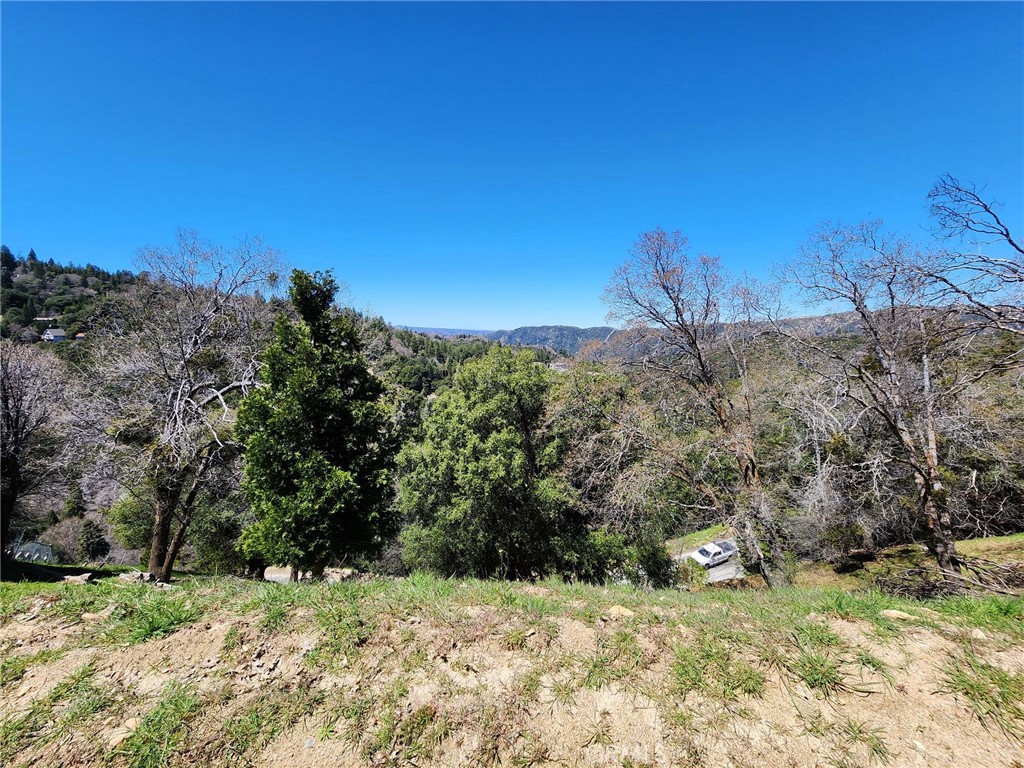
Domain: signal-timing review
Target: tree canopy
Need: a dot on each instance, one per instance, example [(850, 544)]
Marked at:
[(317, 433)]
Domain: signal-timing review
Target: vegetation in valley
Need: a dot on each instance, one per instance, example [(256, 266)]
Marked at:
[(208, 419)]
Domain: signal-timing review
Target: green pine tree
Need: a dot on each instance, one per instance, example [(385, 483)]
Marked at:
[(75, 504), (92, 544)]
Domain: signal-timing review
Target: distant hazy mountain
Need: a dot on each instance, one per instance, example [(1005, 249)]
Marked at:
[(447, 331), (566, 339)]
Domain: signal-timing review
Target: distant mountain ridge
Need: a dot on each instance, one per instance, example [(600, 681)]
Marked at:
[(569, 339), (564, 339), (447, 331)]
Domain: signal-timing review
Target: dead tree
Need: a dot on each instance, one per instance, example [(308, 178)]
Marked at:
[(909, 363), (674, 306), (32, 399), (175, 352), (989, 278)]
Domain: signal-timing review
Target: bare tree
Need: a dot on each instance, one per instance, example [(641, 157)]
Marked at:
[(911, 363), (32, 398), (990, 280), (175, 352), (677, 310)]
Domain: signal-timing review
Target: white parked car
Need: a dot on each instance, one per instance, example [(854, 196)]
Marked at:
[(715, 553)]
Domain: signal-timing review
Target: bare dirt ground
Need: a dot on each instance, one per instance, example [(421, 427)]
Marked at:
[(516, 676)]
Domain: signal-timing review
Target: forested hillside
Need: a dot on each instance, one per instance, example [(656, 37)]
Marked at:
[(563, 339), (35, 295), (207, 420)]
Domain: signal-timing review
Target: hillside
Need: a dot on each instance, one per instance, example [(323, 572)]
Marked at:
[(564, 339), (425, 671), (36, 295)]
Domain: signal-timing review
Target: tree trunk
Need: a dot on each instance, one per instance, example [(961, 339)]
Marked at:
[(762, 548), (174, 545), (294, 575), (941, 544), (163, 573), (166, 500), (7, 499), (933, 495), (760, 532)]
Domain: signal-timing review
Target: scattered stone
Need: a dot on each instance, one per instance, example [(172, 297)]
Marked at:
[(898, 615), (334, 575), (123, 732), (620, 612), (136, 576), (117, 737), (975, 634), (82, 578), (106, 613)]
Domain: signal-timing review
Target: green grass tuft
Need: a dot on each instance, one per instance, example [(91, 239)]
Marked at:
[(993, 693), (161, 731)]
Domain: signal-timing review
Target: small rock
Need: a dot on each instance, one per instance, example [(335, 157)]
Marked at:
[(106, 613), (131, 723), (310, 743), (899, 615), (928, 613), (976, 634), (82, 578), (620, 612), (116, 738)]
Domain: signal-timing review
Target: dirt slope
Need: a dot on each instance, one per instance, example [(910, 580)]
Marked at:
[(385, 675)]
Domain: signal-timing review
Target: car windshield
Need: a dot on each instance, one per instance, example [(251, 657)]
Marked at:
[(704, 551)]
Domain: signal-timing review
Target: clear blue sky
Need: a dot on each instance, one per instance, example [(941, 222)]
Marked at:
[(488, 165)]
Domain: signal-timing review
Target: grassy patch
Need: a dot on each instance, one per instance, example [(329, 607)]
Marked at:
[(275, 602), (618, 657), (72, 701), (712, 667), (1000, 549), (993, 693), (691, 541), (819, 671), (871, 739), (13, 668), (995, 612), (258, 723), (161, 731), (339, 612), (144, 613)]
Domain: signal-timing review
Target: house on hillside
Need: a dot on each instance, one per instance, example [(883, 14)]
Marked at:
[(54, 334)]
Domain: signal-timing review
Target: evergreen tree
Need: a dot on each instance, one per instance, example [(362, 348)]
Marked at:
[(480, 490), (75, 504), (92, 545), (319, 448)]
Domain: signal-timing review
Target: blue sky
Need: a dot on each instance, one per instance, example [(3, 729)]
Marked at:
[(488, 165)]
